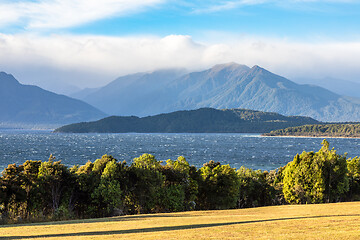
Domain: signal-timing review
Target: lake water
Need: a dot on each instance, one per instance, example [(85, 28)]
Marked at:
[(249, 150)]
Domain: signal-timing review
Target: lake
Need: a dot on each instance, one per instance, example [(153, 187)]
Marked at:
[(249, 150)]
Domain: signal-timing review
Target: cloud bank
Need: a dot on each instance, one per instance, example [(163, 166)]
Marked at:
[(93, 60)]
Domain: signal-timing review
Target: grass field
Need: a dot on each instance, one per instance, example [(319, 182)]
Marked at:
[(322, 221)]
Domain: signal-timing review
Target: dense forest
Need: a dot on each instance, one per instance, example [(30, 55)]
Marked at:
[(203, 120), (320, 130), (48, 190)]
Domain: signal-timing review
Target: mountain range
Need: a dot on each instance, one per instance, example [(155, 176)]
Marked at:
[(26, 104), (223, 86), (126, 95), (339, 86)]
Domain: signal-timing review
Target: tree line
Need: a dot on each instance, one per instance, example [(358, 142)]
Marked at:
[(320, 130), (49, 190)]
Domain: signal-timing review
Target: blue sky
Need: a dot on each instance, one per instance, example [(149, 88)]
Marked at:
[(292, 19), (296, 21), (89, 42)]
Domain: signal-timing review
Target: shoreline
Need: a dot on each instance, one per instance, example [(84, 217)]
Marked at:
[(309, 136)]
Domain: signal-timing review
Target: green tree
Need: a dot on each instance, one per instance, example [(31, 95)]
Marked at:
[(145, 184), (316, 177), (93, 194), (275, 180), (86, 183), (353, 165), (303, 179), (12, 194), (254, 188), (100, 164), (53, 176), (146, 161), (335, 173), (179, 191), (219, 186), (108, 193), (31, 187)]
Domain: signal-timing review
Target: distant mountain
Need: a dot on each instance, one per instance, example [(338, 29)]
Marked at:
[(339, 86), (223, 86), (204, 120), (26, 104), (127, 94), (59, 88), (83, 93)]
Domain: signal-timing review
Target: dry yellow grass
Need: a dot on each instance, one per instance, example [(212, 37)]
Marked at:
[(322, 221)]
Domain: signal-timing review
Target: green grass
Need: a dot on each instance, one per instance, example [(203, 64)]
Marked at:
[(317, 221)]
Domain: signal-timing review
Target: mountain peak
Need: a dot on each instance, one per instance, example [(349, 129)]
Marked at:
[(178, 71), (26, 104), (229, 67), (258, 68), (6, 78), (229, 64)]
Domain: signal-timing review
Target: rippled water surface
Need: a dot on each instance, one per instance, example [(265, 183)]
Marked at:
[(250, 150)]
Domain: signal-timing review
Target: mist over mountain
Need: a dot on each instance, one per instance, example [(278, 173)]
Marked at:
[(127, 94), (27, 104), (339, 86), (83, 93), (222, 86)]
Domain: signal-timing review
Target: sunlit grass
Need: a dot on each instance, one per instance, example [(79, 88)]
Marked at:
[(322, 221)]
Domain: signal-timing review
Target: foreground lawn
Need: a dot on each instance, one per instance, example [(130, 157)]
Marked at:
[(323, 221)]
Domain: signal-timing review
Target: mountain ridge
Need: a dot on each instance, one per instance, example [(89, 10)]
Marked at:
[(203, 120), (28, 104), (228, 85), (126, 90)]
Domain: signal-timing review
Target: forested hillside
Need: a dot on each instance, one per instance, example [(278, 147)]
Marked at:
[(204, 120), (320, 130)]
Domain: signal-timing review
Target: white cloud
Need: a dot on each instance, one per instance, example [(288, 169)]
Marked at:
[(66, 13), (217, 6), (51, 14), (96, 60), (7, 15)]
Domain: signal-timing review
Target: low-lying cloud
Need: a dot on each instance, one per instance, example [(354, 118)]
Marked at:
[(96, 60)]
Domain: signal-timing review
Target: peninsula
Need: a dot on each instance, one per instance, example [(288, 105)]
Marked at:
[(350, 130), (203, 120)]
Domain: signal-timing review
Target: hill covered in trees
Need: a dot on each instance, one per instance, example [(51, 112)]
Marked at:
[(320, 130), (203, 120)]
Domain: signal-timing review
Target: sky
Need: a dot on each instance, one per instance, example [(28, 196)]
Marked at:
[(65, 45)]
